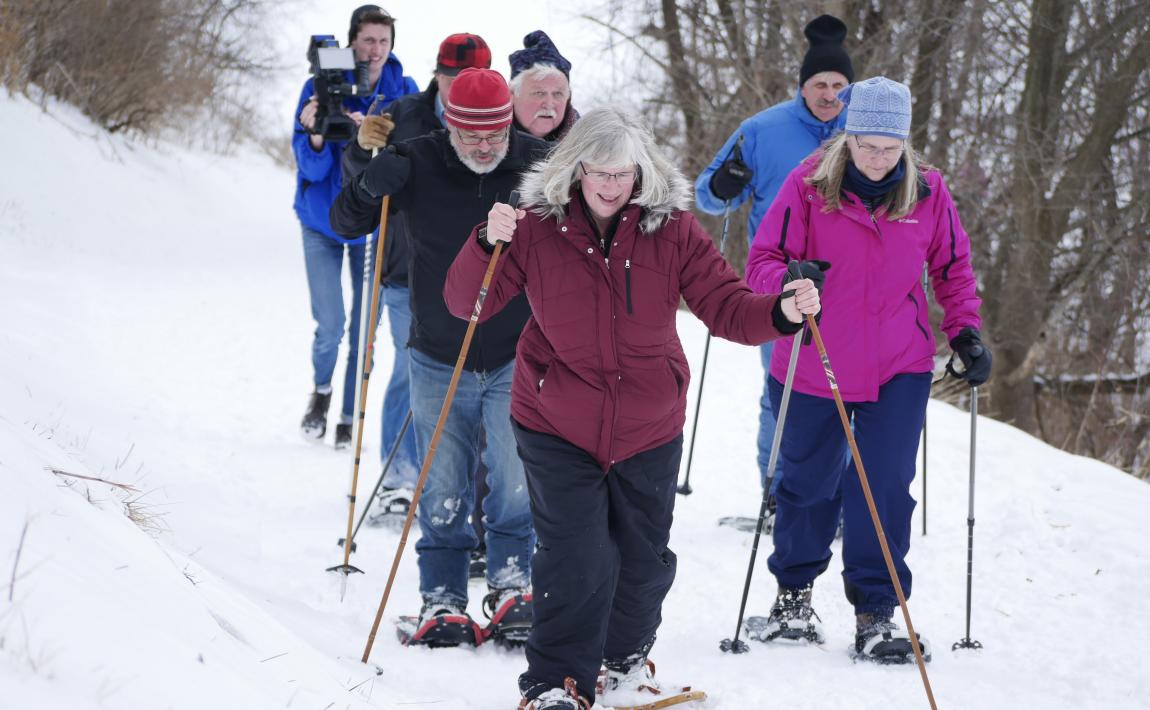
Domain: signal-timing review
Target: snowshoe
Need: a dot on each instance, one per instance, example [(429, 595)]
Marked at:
[(746, 524), (565, 698), (880, 640), (342, 436), (314, 423), (439, 626), (791, 619), (477, 568), (635, 688), (510, 612), (392, 507)]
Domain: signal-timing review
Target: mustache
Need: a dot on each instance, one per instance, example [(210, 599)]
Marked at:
[(823, 103), (546, 113)]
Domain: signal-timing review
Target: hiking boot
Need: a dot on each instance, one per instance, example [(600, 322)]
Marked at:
[(314, 423), (342, 436), (880, 639), (392, 507), (791, 619)]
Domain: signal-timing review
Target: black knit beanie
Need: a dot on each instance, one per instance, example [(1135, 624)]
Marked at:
[(825, 35)]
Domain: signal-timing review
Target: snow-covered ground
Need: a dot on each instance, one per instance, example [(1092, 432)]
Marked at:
[(156, 333)]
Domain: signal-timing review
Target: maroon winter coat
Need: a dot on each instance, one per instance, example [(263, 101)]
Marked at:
[(599, 363)]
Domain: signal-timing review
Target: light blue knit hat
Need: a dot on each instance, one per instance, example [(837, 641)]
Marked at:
[(877, 107)]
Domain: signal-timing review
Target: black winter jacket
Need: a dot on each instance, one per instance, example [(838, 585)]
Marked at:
[(414, 116), (443, 201)]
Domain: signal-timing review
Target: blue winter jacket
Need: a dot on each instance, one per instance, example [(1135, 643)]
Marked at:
[(775, 141), (318, 174)]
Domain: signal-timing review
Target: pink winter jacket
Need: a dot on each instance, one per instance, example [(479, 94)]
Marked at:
[(599, 363), (875, 321)]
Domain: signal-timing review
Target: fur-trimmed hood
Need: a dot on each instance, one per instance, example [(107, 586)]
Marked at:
[(533, 198)]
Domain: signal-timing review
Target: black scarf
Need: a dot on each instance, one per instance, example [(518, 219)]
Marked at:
[(872, 191)]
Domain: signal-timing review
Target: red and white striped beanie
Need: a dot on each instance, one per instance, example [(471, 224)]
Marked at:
[(479, 100)]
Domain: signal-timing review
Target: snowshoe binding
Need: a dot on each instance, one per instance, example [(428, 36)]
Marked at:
[(631, 685), (391, 509), (791, 619), (565, 698), (878, 639), (314, 423), (439, 626), (510, 612)]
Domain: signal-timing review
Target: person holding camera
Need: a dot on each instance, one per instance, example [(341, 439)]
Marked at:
[(318, 179), (444, 183), (757, 158)]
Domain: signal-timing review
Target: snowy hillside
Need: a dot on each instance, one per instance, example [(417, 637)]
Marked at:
[(156, 334)]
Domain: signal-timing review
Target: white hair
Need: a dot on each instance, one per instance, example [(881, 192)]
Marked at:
[(542, 70), (608, 137)]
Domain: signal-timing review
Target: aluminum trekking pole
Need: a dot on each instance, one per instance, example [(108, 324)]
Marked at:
[(924, 284), (363, 374), (734, 645), (966, 641), (833, 383), (685, 489), (513, 200), (378, 484)]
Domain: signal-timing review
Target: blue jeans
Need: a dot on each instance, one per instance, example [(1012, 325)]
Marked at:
[(821, 485), (323, 259), (482, 400), (397, 399), (767, 422)]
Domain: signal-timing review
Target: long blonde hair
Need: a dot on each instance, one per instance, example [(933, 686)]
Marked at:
[(827, 179)]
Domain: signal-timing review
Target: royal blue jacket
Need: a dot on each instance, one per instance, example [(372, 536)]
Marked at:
[(318, 174), (775, 141)]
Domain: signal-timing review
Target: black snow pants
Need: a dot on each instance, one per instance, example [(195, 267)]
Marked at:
[(602, 567)]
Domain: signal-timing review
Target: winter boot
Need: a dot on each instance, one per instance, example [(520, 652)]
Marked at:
[(879, 639), (565, 698), (342, 436), (477, 569), (791, 619), (314, 423), (510, 612), (630, 683), (392, 508), (439, 625)]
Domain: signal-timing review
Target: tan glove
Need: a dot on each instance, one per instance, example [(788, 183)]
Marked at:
[(374, 131)]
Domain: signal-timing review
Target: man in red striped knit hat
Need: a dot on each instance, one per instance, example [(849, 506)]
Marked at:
[(444, 183)]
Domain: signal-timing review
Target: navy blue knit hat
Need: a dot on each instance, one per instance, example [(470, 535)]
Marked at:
[(826, 34), (538, 48)]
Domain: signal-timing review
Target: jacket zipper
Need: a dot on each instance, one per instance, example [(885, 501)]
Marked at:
[(627, 278)]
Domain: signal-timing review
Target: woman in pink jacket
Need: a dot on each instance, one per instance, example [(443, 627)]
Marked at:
[(866, 205), (605, 250)]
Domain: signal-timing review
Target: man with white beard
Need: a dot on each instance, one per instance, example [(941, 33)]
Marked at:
[(541, 88), (445, 182)]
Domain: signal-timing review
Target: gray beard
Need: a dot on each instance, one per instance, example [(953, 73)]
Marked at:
[(480, 168)]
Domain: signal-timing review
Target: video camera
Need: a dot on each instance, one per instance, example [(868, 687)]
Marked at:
[(328, 64)]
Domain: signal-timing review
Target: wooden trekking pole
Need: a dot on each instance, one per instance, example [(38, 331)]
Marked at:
[(366, 347), (870, 504), (513, 200)]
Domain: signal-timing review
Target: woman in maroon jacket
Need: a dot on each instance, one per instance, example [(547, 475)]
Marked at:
[(604, 250)]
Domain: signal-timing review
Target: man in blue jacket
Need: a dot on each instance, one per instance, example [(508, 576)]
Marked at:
[(318, 181), (773, 143)]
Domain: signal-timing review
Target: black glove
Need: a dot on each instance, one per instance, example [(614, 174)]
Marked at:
[(813, 269), (386, 174), (731, 178), (975, 357)]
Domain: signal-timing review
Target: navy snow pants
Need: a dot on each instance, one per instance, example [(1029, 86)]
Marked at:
[(821, 479), (602, 567)]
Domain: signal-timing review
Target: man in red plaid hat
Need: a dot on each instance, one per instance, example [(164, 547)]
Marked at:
[(444, 183)]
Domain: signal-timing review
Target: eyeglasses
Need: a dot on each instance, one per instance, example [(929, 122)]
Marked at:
[(623, 176), (873, 151), (476, 139)]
